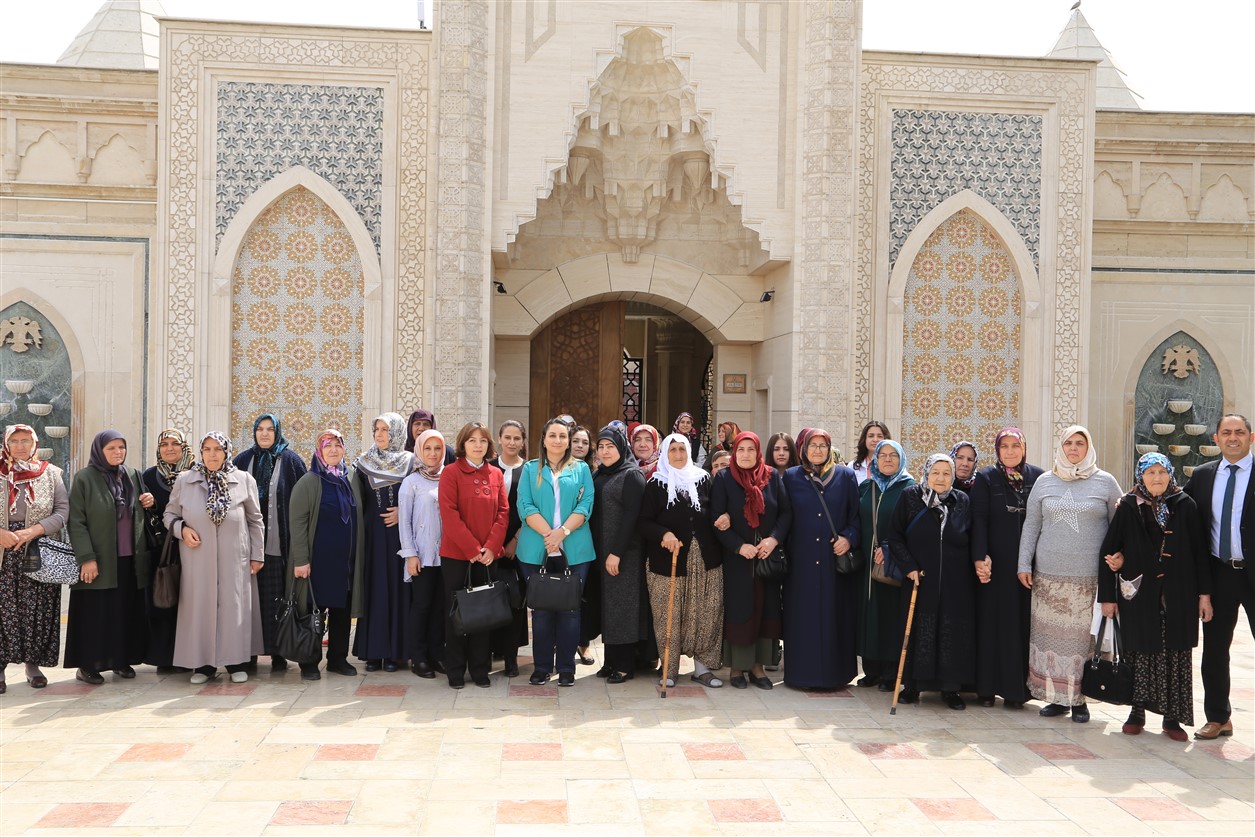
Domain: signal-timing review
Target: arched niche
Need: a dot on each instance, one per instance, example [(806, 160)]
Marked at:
[(38, 378)]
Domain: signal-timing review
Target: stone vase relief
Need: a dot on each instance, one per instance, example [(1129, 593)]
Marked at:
[(35, 374), (1178, 402)]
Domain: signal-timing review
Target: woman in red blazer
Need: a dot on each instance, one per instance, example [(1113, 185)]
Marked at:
[(474, 513)]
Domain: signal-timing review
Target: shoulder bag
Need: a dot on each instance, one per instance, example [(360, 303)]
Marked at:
[(555, 592), (50, 561), (169, 573), (477, 610), (886, 572), (299, 637), (774, 567), (848, 562), (1110, 681)]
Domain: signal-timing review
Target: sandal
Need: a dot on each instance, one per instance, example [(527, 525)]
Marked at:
[(707, 679)]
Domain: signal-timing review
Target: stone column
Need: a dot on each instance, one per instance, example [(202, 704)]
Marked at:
[(824, 273), (461, 308)]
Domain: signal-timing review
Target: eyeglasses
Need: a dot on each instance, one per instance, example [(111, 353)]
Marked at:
[(819, 446)]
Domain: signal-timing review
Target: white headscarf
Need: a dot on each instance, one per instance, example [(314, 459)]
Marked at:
[(1082, 470), (682, 480)]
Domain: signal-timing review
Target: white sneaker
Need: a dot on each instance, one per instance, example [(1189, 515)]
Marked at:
[(239, 676), (199, 677)]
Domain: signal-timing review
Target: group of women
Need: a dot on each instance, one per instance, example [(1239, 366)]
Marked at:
[(1001, 563)]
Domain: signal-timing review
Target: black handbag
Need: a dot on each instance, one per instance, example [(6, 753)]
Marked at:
[(168, 575), (850, 562), (508, 573), (774, 567), (298, 637), (555, 592), (50, 561), (1110, 681), (477, 610)]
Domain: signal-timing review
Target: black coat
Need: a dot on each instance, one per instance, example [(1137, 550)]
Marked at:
[(727, 496), (1177, 577), (681, 520), (291, 468)]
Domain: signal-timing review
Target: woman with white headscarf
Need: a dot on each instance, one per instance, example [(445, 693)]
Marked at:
[(928, 540), (381, 632), (1064, 526), (674, 521), (216, 514)]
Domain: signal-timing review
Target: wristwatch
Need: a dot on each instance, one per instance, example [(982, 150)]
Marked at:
[(565, 530)]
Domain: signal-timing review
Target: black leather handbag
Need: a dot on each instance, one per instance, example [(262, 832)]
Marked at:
[(554, 591), (1110, 681), (850, 562), (477, 610), (168, 575), (298, 637), (774, 567)]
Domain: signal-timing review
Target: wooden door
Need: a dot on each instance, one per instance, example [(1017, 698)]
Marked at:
[(577, 368)]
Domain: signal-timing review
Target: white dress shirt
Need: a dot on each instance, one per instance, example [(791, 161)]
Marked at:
[(1243, 478)]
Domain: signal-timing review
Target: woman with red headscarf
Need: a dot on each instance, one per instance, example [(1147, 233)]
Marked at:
[(820, 604), (752, 494)]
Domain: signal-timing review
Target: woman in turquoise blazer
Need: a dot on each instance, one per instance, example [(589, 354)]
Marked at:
[(549, 529)]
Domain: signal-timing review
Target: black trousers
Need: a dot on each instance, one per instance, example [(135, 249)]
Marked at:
[(427, 617), (339, 622), (463, 653), (1229, 589)]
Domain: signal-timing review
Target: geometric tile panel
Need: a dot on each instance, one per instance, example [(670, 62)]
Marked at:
[(334, 131), (961, 341), (937, 154), (297, 319)]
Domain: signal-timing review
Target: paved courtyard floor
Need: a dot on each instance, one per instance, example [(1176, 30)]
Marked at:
[(393, 754)]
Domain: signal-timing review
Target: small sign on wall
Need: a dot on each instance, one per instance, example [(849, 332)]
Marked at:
[(734, 384)]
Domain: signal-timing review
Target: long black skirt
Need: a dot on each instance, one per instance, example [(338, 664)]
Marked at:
[(107, 629)]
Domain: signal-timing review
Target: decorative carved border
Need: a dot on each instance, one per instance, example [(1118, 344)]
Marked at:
[(189, 58), (1064, 95)]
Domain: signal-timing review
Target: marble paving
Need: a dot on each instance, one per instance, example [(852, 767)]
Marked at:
[(392, 754)]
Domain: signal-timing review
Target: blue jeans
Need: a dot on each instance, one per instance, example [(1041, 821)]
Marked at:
[(555, 635)]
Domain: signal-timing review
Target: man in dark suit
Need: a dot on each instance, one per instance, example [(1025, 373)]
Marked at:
[(1225, 495)]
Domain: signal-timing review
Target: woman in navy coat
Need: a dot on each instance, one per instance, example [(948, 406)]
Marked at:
[(820, 604)]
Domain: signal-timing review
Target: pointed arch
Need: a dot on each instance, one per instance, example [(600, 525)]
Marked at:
[(1196, 331), (270, 192)]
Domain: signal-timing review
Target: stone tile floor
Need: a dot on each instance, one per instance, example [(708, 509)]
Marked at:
[(389, 753)]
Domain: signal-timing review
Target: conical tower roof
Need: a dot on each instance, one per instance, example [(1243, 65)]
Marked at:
[(1077, 40), (122, 35)]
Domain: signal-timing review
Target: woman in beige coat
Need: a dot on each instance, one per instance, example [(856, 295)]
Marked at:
[(215, 513)]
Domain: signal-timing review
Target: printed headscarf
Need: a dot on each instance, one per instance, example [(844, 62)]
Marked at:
[(218, 499), (21, 472), (117, 479), (873, 467), (753, 479), (1158, 505), (335, 479), (657, 454), (1015, 476), (265, 459), (411, 441), (429, 473), (823, 474), (954, 452), (679, 480), (1084, 469), (692, 434), (935, 499), (385, 466), (167, 471)]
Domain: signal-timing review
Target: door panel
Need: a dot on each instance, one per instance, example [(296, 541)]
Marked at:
[(577, 368)]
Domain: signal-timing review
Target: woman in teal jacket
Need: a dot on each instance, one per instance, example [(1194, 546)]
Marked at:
[(555, 514)]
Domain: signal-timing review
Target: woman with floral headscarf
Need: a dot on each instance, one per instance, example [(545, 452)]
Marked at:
[(35, 504), (276, 468), (675, 525), (821, 604), (999, 499), (328, 541), (215, 512), (751, 493), (880, 612), (382, 630), (928, 540), (686, 426), (1064, 526), (107, 628), (965, 457), (644, 439), (1156, 576), (174, 456)]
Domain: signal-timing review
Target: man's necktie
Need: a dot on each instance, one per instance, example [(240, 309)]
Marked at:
[(1226, 515)]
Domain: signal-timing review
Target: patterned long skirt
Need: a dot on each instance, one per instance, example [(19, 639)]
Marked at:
[(30, 614), (697, 620), (1059, 639), (1163, 681)]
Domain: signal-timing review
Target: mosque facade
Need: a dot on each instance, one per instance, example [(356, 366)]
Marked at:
[(616, 210)]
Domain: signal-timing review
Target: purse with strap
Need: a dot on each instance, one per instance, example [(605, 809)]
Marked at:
[(298, 637), (556, 592), (51, 561), (886, 572), (1110, 681), (848, 562), (775, 567), (477, 610), (168, 575)]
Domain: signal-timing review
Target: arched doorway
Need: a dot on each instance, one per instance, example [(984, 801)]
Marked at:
[(626, 360)]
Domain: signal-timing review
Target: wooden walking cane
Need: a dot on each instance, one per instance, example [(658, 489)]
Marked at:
[(906, 640), (666, 647)]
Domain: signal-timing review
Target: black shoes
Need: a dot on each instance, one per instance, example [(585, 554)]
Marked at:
[(1054, 710), (868, 681), (763, 682), (278, 663), (344, 668), (1080, 714), (126, 672), (91, 678), (985, 701), (955, 701), (482, 682), (538, 678), (512, 669), (908, 695), (617, 677), (374, 665), (457, 683), (423, 670), (566, 678), (310, 673), (884, 686), (605, 671), (738, 681), (390, 665)]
